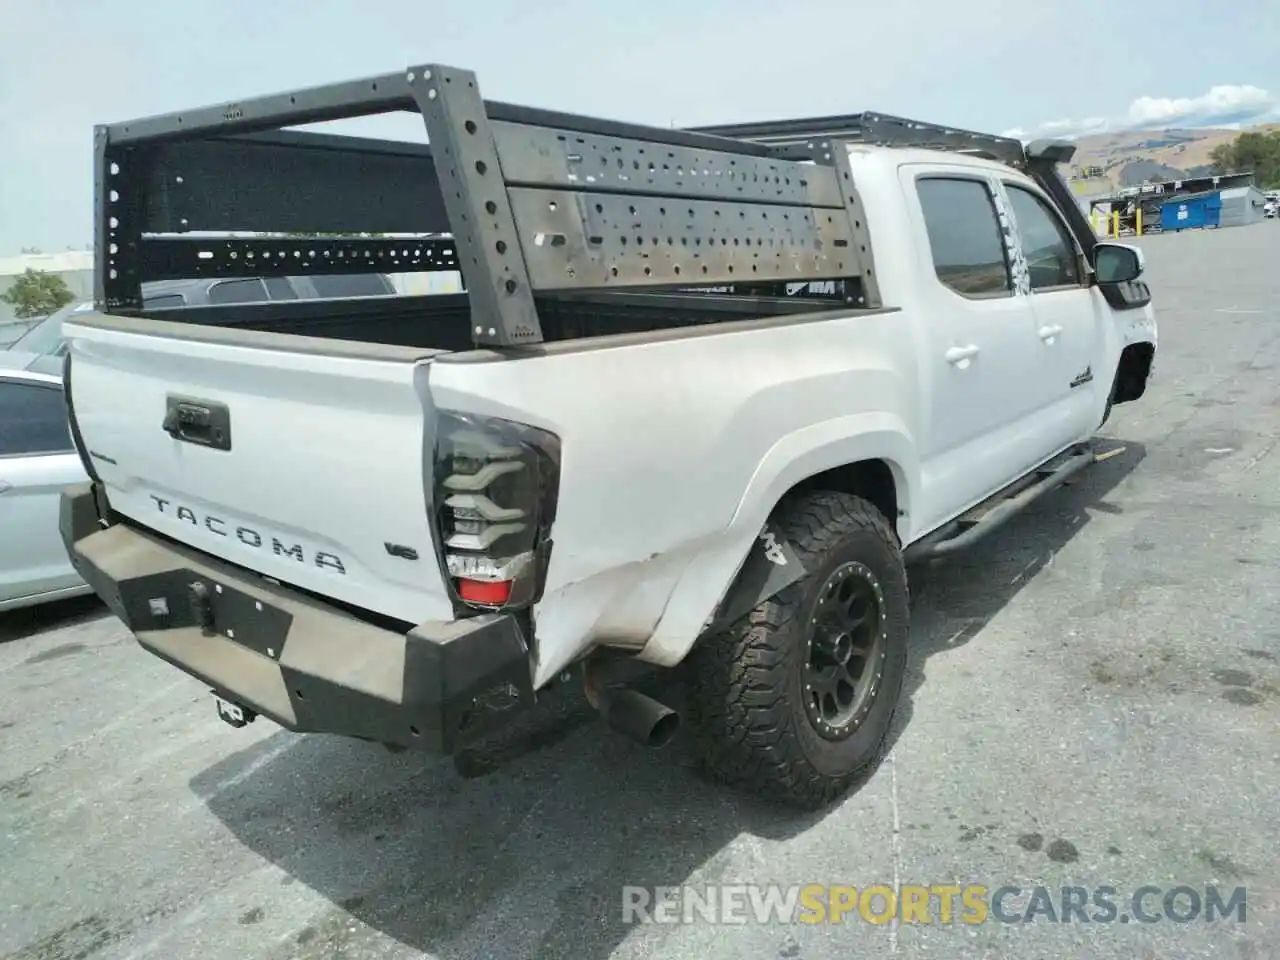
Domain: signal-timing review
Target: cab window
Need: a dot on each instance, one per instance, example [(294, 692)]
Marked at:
[(1046, 244), (965, 236)]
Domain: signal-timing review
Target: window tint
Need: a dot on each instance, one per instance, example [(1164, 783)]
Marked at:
[(164, 300), (351, 285), (1051, 256), (280, 288), (252, 290), (33, 419), (964, 235)]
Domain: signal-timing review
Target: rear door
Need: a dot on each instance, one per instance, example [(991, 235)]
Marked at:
[(37, 462), (983, 354), (281, 454), (1068, 314)]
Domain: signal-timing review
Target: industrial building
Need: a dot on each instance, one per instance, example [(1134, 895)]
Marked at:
[(1226, 200)]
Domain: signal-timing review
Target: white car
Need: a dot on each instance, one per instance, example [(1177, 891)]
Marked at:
[(38, 462)]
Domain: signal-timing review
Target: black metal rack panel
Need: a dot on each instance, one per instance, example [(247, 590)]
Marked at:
[(874, 128), (177, 258), (520, 200), (575, 241), (535, 156)]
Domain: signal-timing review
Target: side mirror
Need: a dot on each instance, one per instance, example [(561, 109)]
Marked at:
[(1117, 262)]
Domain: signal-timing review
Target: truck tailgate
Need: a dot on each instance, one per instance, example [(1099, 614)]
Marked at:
[(323, 481)]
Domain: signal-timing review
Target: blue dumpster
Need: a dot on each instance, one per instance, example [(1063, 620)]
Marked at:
[(1183, 213)]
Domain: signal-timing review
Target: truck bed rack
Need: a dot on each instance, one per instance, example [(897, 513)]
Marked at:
[(875, 129), (1039, 159), (523, 202)]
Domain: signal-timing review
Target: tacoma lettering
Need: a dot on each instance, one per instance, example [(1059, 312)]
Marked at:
[(249, 537)]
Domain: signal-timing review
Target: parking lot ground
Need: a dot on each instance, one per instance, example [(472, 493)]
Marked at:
[(1094, 701)]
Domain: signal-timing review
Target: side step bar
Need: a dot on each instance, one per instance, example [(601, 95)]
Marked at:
[(994, 512)]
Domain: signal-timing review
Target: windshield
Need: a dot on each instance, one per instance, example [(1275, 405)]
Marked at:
[(46, 336)]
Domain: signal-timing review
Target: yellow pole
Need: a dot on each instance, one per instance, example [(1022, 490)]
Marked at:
[(1138, 227), (1115, 223)]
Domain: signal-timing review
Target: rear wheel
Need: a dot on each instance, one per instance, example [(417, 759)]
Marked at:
[(796, 700)]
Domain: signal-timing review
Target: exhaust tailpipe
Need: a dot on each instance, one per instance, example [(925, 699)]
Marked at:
[(639, 717)]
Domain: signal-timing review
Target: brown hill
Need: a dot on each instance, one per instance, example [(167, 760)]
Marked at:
[(1132, 157)]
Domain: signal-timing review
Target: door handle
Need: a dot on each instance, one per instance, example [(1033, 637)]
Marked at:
[(1050, 333), (961, 354)]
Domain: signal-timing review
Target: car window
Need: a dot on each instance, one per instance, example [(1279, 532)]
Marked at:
[(251, 290), (965, 236), (281, 289), (46, 336), (33, 419), (350, 285), (1051, 256), (164, 300)]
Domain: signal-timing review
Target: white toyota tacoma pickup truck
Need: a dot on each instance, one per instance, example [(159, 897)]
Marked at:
[(707, 394)]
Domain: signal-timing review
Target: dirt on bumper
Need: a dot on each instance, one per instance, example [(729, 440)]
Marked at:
[(304, 664)]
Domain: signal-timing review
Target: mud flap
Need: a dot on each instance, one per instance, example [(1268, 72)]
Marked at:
[(772, 565)]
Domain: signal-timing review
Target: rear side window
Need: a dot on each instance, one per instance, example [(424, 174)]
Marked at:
[(238, 291), (33, 420), (350, 285), (964, 236), (1051, 256)]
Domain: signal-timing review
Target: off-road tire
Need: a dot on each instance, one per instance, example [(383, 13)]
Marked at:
[(746, 709)]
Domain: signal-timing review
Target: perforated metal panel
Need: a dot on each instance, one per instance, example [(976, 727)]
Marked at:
[(180, 258), (118, 203), (574, 240), (547, 157), (471, 182), (532, 199), (856, 218)]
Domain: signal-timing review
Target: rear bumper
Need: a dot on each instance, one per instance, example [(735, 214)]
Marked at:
[(299, 662)]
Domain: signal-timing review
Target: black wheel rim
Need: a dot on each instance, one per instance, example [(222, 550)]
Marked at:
[(846, 650)]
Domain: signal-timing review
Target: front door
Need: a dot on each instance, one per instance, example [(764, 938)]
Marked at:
[(1068, 316), (37, 462)]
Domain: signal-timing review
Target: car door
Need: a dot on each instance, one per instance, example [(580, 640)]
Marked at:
[(37, 462), (1068, 315), (982, 352)]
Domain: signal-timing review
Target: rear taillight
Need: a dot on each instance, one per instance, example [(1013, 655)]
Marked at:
[(496, 484)]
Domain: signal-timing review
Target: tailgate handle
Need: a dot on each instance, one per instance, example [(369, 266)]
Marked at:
[(198, 421)]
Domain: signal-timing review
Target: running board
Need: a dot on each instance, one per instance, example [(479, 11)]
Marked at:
[(994, 512)]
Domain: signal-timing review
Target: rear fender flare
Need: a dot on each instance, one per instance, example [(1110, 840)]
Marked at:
[(744, 558)]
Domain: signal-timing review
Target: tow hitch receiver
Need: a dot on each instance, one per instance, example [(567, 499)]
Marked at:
[(233, 713)]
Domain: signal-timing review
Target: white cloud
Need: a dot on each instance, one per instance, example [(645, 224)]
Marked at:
[(1227, 105)]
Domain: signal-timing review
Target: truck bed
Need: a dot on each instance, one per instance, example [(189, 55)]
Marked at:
[(442, 322)]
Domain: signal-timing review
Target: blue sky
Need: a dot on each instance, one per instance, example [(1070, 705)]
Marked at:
[(992, 65)]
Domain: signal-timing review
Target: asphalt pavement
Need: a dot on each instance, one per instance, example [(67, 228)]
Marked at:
[(1094, 701)]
